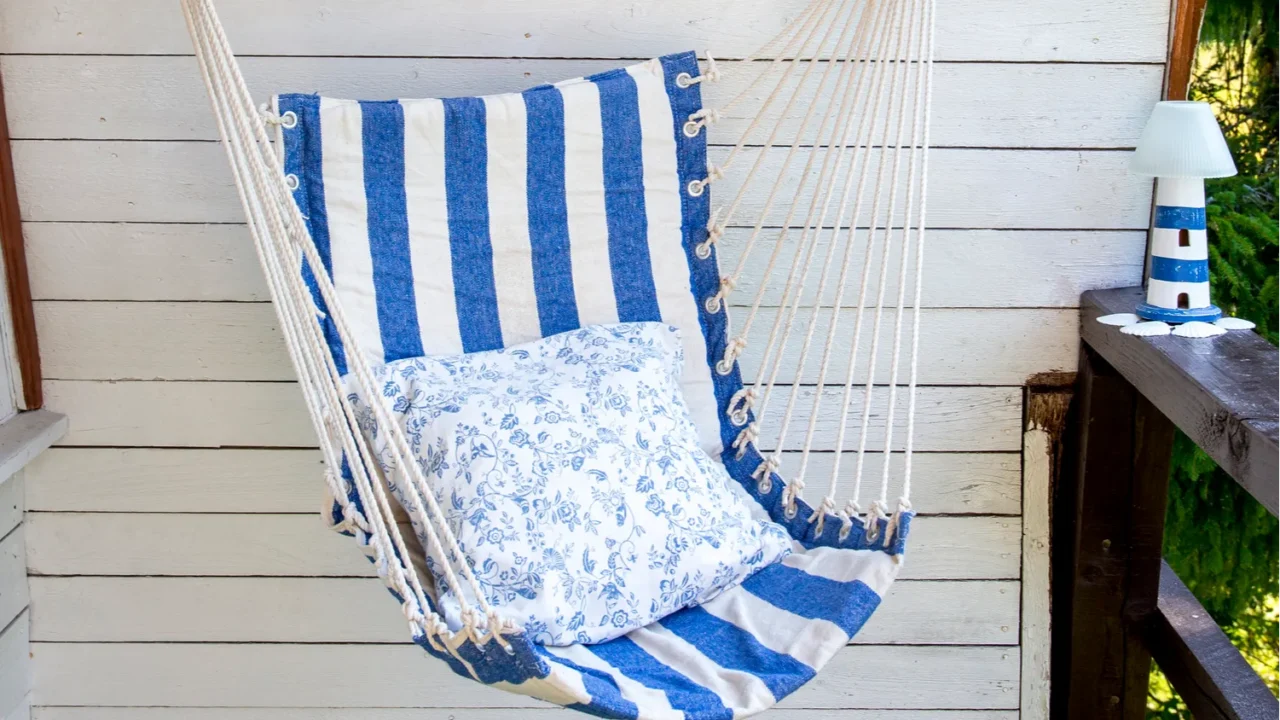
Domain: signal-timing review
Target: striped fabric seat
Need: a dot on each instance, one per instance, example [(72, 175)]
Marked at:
[(469, 224)]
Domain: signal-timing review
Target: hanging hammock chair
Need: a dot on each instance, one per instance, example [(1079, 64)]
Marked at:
[(839, 122)]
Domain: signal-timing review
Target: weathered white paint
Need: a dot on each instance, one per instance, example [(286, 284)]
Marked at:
[(944, 548), (284, 481), (271, 414), (15, 664), (966, 268), (15, 681), (1036, 104), (152, 98), (14, 596), (241, 341), (342, 610), (167, 181), (180, 674)]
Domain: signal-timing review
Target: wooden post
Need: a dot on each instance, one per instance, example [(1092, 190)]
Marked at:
[(1188, 16), (13, 247), (1111, 512)]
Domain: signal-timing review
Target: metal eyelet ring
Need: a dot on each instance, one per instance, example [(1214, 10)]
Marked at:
[(684, 80), (713, 304), (291, 181), (697, 187), (845, 532), (702, 250), (765, 484), (790, 511), (724, 368), (692, 129), (873, 530), (738, 417), (289, 120)]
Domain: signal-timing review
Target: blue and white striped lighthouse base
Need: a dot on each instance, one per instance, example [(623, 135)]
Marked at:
[(1178, 315)]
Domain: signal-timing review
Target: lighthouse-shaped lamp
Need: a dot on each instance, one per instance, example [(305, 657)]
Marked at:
[(1181, 146)]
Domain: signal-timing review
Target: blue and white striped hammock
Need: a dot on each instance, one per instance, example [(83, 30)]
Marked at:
[(462, 225)]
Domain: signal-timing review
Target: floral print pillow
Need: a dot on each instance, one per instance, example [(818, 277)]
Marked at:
[(570, 471)]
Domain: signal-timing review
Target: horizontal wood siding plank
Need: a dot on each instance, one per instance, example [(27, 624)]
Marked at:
[(965, 268), (241, 341), (15, 661), (289, 481), (356, 610), (975, 30), (118, 181), (163, 98), (942, 548), (212, 414), (14, 596), (178, 675), (313, 713)]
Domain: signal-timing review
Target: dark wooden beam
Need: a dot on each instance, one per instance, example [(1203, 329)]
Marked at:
[(1114, 528), (1204, 667), (14, 251), (1222, 391), (1188, 16)]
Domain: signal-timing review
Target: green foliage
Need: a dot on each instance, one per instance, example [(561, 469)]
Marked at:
[(1220, 541)]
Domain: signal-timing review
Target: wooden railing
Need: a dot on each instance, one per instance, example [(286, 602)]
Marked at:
[(1117, 604)]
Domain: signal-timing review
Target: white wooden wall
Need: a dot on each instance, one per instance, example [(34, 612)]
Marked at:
[(176, 559), (15, 620)]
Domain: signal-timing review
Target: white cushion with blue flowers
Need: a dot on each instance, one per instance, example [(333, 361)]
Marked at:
[(570, 470)]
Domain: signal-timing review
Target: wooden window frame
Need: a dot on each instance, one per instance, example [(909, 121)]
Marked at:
[(25, 348)]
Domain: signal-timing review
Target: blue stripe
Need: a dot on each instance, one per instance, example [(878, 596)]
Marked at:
[(1175, 270), (606, 697), (382, 135), (1177, 217), (683, 693), (466, 172), (847, 604), (733, 648), (549, 212), (304, 159), (624, 198)]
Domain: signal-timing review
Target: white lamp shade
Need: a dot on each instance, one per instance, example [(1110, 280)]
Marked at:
[(1182, 139)]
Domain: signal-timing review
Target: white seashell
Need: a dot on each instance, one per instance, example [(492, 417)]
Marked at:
[(1147, 329), (1120, 319), (1197, 329), (1234, 323)]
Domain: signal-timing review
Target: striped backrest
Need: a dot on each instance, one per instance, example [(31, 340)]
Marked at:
[(470, 224)]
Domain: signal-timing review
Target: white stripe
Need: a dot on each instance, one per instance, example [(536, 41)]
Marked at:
[(664, 209), (428, 213), (812, 642), (564, 686), (508, 173), (745, 693), (876, 568), (342, 153), (652, 703), (584, 200)]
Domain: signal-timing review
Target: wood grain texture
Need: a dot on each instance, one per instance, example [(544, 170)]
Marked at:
[(966, 268), (157, 181), (263, 414), (162, 98), (1188, 16), (314, 713), (1221, 392), (1040, 30), (14, 594), (241, 341), (289, 481), (15, 659), (357, 610), (26, 347), (405, 676), (943, 548)]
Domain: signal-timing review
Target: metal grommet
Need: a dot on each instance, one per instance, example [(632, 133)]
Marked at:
[(697, 187), (845, 532), (765, 484), (291, 181), (873, 530), (289, 120), (712, 304), (790, 511), (702, 250), (684, 80), (724, 367), (692, 129)]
